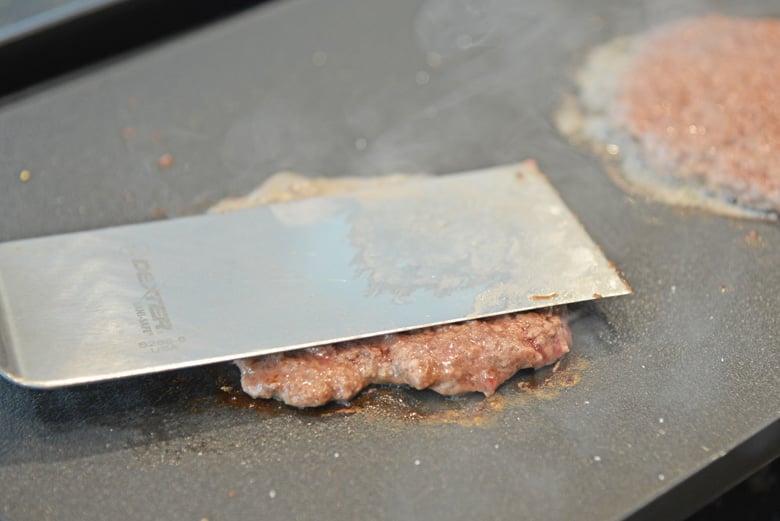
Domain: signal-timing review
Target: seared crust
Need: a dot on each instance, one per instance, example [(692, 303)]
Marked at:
[(474, 356)]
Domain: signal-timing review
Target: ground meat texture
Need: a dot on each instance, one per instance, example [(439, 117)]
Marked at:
[(703, 98), (474, 356)]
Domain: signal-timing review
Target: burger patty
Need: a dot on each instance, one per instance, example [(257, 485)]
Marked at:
[(703, 96), (688, 112), (474, 356)]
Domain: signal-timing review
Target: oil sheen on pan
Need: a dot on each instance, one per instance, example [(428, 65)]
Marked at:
[(475, 356), (687, 113)]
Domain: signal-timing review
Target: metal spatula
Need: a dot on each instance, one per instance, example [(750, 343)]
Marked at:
[(142, 298)]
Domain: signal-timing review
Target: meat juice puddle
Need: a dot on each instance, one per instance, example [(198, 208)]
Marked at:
[(406, 405)]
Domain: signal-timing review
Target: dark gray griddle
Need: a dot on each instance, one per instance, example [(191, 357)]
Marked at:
[(670, 395)]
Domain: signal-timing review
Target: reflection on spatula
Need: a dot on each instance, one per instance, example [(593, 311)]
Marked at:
[(143, 298)]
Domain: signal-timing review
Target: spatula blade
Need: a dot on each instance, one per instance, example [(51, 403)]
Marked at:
[(143, 298)]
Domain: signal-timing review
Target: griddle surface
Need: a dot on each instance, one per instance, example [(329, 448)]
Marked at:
[(669, 397)]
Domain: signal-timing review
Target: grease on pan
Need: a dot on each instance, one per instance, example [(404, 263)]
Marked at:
[(403, 405), (687, 113)]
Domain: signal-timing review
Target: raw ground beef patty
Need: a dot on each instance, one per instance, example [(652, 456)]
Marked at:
[(473, 356), (478, 355), (689, 110)]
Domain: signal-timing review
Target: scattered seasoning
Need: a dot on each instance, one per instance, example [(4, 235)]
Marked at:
[(272, 493), (128, 133), (544, 297), (232, 494), (159, 213), (598, 295), (165, 161), (753, 238), (417, 462), (24, 176), (597, 458), (661, 477)]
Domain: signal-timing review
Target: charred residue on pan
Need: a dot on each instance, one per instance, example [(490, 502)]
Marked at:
[(754, 239), (409, 406), (548, 296), (549, 383), (749, 234)]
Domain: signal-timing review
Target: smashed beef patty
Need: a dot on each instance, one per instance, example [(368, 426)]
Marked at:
[(689, 112), (474, 356), (703, 96)]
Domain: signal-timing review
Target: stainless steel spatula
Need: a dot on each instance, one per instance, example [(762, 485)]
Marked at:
[(142, 298)]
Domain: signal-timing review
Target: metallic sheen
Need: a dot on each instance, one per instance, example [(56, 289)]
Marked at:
[(143, 298)]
